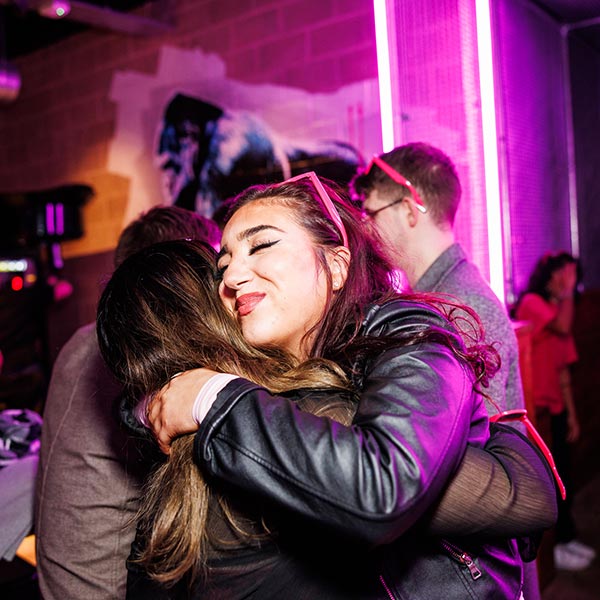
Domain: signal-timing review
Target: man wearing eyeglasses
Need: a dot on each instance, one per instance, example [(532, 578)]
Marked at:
[(412, 194)]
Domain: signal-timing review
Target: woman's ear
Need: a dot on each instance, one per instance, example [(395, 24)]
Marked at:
[(339, 262)]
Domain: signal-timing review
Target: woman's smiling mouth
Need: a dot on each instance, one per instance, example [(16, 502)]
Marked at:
[(246, 303)]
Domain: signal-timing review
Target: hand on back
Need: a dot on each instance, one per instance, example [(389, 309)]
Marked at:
[(169, 412)]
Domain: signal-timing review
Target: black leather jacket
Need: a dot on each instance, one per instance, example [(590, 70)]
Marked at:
[(371, 482)]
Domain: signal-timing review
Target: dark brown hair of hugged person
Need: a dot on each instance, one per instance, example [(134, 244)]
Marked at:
[(159, 315)]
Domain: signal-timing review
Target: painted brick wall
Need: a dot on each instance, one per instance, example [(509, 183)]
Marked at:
[(59, 128)]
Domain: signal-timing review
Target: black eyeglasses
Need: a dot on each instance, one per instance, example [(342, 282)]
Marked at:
[(371, 213)]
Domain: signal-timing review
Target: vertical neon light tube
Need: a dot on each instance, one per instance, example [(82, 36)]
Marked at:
[(573, 217), (384, 75), (60, 219), (50, 230), (490, 146)]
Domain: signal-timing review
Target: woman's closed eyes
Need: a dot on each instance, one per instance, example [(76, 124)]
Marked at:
[(254, 248)]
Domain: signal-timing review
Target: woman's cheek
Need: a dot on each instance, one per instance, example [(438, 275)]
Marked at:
[(227, 299)]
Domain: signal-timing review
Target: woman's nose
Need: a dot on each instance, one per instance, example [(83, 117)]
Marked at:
[(236, 274)]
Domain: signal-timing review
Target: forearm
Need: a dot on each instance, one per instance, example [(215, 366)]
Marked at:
[(504, 490), (311, 466), (371, 481)]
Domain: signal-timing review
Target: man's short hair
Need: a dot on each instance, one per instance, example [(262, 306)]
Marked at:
[(165, 223), (427, 168)]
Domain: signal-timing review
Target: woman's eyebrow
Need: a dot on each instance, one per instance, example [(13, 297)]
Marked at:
[(245, 234)]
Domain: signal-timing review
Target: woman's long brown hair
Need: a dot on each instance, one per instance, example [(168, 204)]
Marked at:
[(158, 315)]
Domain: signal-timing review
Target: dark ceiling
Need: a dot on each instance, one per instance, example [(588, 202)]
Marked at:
[(25, 31), (570, 11), (582, 17)]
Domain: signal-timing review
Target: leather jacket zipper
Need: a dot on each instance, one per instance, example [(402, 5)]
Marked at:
[(461, 557), (386, 588)]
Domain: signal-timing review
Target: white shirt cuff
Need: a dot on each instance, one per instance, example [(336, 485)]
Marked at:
[(208, 394)]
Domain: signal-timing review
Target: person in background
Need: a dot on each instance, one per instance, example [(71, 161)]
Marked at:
[(412, 193), (417, 223), (301, 272), (548, 303), (90, 471)]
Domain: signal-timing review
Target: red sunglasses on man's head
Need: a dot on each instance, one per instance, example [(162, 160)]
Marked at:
[(398, 178)]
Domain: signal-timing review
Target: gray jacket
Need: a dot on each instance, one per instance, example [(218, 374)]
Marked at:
[(88, 480)]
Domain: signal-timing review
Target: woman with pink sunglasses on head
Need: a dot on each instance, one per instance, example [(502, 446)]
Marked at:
[(301, 271)]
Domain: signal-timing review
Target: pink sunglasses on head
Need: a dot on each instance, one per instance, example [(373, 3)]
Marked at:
[(398, 178), (326, 201)]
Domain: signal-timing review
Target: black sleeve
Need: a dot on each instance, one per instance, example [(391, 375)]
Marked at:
[(370, 481), (374, 480)]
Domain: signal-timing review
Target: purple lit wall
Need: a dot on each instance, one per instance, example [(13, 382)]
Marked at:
[(436, 97), (585, 82), (532, 136), (437, 100)]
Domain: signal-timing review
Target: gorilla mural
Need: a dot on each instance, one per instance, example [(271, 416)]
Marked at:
[(208, 154)]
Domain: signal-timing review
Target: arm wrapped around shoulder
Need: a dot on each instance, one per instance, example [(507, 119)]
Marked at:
[(505, 489)]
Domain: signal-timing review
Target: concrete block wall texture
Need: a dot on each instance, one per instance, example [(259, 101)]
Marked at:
[(58, 131)]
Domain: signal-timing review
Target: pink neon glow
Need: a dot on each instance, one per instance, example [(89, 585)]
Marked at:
[(56, 9), (50, 229), (57, 259), (490, 147), (16, 283), (60, 219), (384, 75)]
